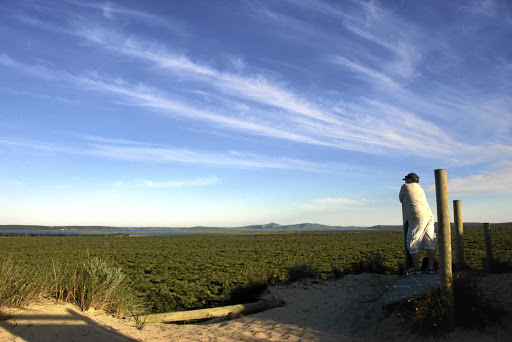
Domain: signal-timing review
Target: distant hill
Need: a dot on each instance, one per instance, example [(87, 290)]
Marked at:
[(272, 226), (297, 227)]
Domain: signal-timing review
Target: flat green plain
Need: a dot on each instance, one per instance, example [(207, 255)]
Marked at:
[(178, 272)]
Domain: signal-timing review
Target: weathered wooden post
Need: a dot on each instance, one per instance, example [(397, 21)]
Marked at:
[(489, 260), (445, 246), (459, 234)]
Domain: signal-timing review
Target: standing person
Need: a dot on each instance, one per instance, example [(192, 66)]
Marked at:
[(419, 222)]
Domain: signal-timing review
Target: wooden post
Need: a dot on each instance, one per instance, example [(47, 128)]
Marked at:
[(459, 234), (488, 246), (445, 246)]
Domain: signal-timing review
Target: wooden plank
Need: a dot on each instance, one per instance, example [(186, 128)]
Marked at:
[(409, 286)]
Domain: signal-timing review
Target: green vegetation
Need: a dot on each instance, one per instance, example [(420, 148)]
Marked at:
[(88, 283), (181, 272)]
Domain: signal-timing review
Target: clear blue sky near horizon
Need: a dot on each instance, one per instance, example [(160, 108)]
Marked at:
[(229, 113)]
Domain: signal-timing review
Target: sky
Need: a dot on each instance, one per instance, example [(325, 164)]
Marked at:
[(230, 113)]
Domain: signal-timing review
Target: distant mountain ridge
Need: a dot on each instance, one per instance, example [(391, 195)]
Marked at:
[(299, 226), (272, 226), (269, 226)]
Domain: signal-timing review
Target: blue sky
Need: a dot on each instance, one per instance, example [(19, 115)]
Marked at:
[(227, 113)]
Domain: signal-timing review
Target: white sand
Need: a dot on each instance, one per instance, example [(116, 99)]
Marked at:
[(342, 310)]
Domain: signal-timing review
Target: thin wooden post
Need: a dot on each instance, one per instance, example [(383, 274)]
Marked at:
[(445, 246), (489, 260), (459, 233)]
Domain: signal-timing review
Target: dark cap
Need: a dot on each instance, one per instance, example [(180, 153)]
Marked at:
[(412, 176)]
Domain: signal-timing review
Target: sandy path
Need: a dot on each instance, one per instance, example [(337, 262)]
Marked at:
[(342, 310)]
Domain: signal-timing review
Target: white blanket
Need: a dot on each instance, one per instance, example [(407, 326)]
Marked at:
[(416, 211)]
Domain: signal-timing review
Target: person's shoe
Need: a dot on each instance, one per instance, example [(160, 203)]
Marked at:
[(413, 270), (430, 271)]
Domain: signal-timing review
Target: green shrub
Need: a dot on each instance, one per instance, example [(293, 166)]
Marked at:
[(92, 283), (423, 314), (258, 282), (374, 263), (302, 271), (336, 272)]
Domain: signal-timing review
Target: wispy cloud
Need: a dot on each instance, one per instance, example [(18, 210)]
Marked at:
[(102, 140), (33, 146), (379, 27), (181, 183), (56, 17), (127, 150), (36, 70), (333, 204), (186, 156), (373, 76), (372, 127), (142, 95), (389, 120), (495, 181), (110, 9), (254, 88), (14, 183)]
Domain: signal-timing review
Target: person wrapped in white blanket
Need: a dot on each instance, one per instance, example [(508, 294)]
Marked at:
[(419, 221)]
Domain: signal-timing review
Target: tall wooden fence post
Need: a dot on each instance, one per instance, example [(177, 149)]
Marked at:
[(489, 260), (445, 246), (459, 234)]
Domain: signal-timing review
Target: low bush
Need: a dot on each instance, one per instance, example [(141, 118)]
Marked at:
[(96, 285), (302, 271), (424, 314), (336, 272), (258, 282), (374, 263)]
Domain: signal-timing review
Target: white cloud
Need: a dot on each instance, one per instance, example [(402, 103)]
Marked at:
[(373, 76), (254, 88), (371, 126), (259, 105), (127, 150), (145, 96), (15, 183), (181, 183), (102, 140), (175, 155), (31, 145), (496, 181)]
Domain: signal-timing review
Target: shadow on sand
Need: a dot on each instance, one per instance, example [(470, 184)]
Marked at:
[(66, 326)]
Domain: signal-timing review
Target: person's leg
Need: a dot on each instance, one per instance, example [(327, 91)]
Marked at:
[(415, 260), (431, 253)]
